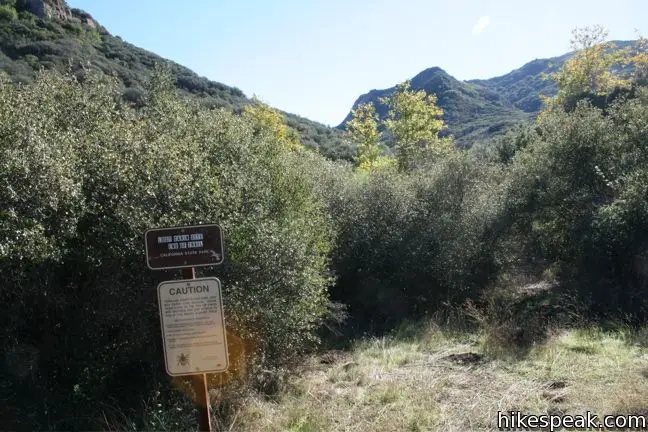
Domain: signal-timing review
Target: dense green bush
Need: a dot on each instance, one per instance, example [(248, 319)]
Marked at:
[(83, 177), (578, 192), (409, 243), (8, 13), (502, 149)]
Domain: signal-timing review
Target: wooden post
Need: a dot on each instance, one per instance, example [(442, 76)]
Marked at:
[(199, 381)]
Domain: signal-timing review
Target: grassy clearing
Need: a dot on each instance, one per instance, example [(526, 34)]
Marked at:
[(412, 382)]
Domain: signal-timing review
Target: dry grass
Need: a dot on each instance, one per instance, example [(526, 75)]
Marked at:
[(410, 384)]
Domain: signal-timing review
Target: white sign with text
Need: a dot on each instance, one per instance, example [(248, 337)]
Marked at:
[(193, 326)]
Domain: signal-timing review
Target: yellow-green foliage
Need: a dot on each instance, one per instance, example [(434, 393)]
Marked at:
[(363, 129), (381, 163), (414, 120), (268, 120), (8, 13), (591, 69)]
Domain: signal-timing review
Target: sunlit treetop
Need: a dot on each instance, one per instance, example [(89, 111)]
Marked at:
[(598, 67), (266, 119)]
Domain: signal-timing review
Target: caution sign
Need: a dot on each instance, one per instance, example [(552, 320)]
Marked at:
[(185, 246), (193, 326)]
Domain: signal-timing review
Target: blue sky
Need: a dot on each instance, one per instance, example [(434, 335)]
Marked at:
[(314, 58)]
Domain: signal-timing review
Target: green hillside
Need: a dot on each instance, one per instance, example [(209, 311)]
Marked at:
[(522, 87), (72, 39)]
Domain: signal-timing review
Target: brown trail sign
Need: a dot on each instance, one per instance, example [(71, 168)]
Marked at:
[(182, 247)]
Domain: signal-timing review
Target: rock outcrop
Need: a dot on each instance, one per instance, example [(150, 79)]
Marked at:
[(53, 9), (59, 10)]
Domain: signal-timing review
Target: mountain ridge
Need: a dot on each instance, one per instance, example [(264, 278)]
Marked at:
[(480, 109)]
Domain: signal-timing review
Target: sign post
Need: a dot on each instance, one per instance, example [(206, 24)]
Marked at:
[(191, 310), (199, 382)]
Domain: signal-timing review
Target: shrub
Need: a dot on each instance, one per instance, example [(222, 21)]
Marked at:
[(135, 96), (409, 243), (90, 176), (579, 191), (8, 13)]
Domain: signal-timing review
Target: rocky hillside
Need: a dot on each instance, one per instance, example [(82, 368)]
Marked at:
[(47, 34), (56, 9)]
